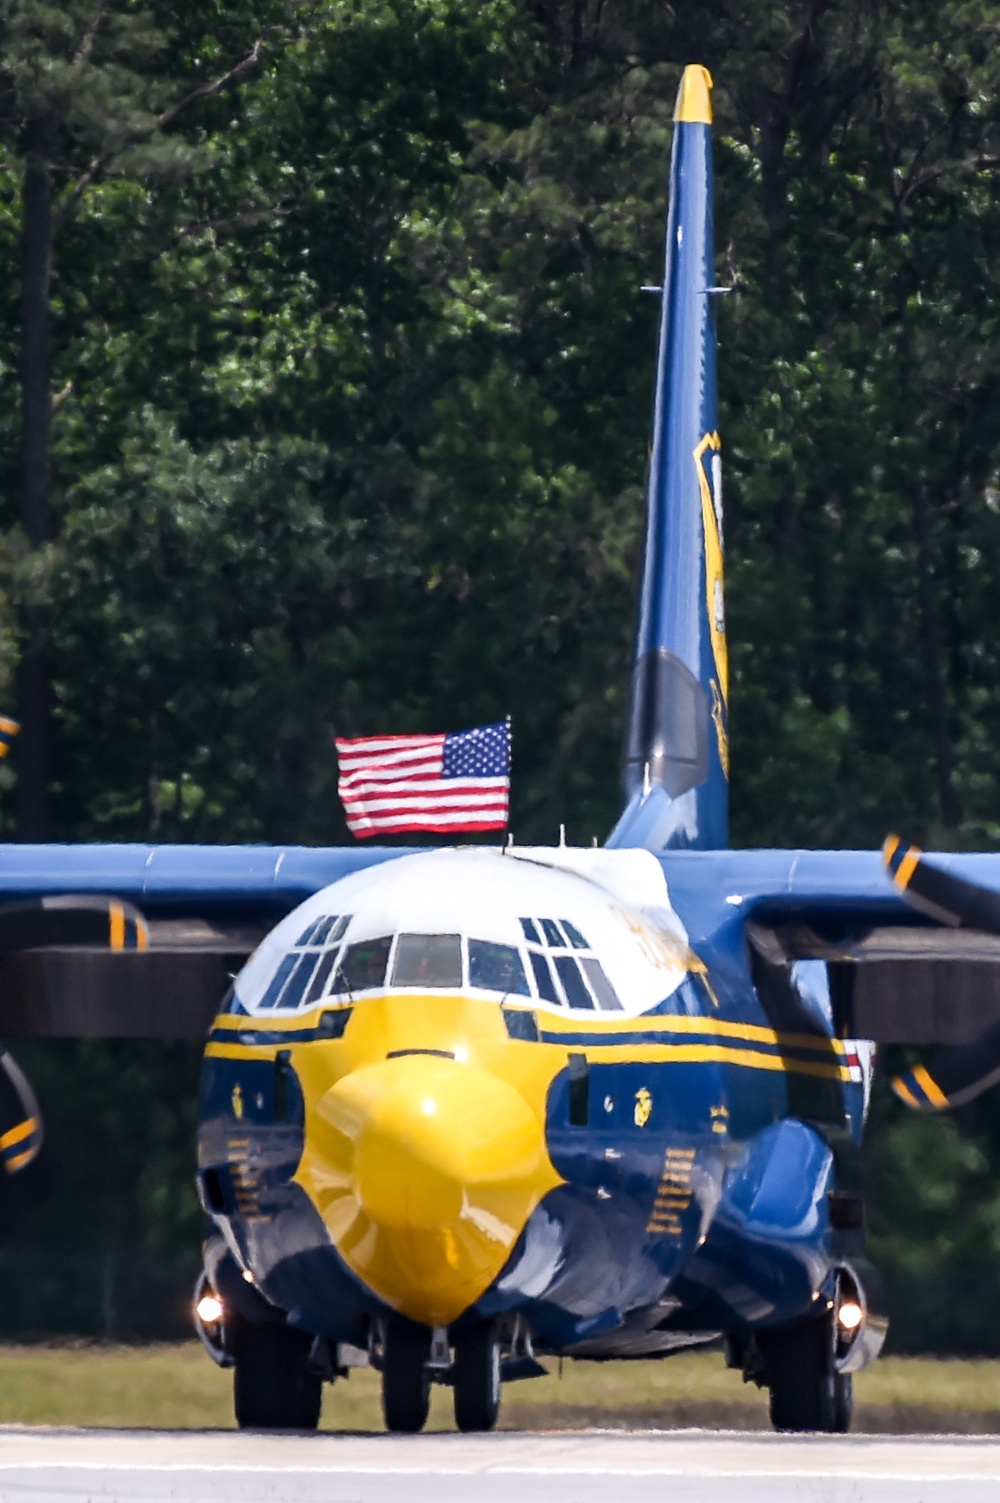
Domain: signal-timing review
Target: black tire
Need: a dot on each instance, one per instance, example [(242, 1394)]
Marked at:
[(406, 1383), (843, 1403), (273, 1388), (476, 1376), (806, 1392)]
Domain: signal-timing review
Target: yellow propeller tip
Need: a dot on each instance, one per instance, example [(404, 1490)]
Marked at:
[(890, 846), (902, 1090)]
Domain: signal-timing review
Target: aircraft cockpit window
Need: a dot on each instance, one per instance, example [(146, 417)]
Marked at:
[(577, 993), (279, 980), (428, 960), (362, 966), (553, 934), (497, 968), (302, 973), (531, 934), (543, 978), (321, 976), (574, 936), (607, 997), (322, 931), (329, 930)]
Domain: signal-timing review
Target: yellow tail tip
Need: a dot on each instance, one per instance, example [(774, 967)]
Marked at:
[(694, 97)]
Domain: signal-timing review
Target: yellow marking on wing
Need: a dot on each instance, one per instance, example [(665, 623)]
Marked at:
[(18, 1134), (907, 867), (116, 919), (930, 1088)]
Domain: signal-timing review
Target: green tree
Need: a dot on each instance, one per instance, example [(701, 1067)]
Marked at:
[(86, 93)]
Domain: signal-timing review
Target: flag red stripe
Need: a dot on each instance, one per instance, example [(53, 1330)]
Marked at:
[(492, 803), (399, 827)]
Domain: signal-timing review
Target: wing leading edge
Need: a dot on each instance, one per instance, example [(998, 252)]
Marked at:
[(205, 908)]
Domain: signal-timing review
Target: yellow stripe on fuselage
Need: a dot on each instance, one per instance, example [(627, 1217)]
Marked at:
[(651, 1053), (550, 1023)]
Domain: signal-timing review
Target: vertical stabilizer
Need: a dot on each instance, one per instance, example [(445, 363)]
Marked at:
[(676, 744)]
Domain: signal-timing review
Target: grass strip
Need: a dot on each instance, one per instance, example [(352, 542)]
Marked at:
[(178, 1387)]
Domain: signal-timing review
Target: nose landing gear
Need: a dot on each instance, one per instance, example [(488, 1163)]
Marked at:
[(409, 1363), (406, 1383)]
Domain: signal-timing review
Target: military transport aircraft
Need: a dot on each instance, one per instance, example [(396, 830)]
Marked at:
[(463, 1109)]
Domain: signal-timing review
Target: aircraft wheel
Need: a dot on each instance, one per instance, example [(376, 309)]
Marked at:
[(406, 1384), (806, 1392), (273, 1388), (476, 1378)]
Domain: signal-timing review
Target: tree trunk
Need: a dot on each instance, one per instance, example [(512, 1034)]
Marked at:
[(34, 816)]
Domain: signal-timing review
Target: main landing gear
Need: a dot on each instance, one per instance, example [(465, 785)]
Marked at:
[(274, 1387), (807, 1392), (476, 1378), (406, 1376)]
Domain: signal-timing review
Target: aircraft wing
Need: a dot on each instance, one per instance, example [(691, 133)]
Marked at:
[(911, 943), (205, 909)]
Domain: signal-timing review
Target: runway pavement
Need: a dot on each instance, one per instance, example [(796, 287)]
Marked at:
[(563, 1467)]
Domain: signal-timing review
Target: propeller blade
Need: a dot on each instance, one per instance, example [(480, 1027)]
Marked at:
[(20, 1120), (937, 893), (954, 1077), (73, 919)]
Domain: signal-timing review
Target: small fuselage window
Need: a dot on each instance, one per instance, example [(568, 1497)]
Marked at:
[(428, 960)]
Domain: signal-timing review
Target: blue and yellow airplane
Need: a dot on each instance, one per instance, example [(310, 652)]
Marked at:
[(466, 1108)]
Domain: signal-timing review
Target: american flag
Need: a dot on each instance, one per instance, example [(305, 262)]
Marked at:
[(459, 781)]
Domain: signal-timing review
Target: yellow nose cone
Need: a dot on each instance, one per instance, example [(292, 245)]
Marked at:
[(425, 1170)]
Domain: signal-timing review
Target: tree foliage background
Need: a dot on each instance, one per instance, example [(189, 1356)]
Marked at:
[(349, 388)]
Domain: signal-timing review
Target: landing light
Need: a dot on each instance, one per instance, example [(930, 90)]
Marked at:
[(209, 1309), (850, 1315)]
